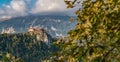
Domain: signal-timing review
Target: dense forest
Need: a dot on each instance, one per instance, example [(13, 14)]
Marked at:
[(25, 46)]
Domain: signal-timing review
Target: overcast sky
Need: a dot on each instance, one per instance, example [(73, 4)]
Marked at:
[(10, 8)]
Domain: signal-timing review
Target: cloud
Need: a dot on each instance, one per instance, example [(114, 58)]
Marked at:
[(1, 11), (15, 8), (25, 7), (18, 5), (49, 6)]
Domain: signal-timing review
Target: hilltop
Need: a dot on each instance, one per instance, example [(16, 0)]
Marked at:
[(27, 46)]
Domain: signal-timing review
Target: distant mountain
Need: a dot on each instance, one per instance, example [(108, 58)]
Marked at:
[(55, 25), (5, 18)]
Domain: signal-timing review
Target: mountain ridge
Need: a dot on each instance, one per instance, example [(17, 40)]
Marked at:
[(56, 25)]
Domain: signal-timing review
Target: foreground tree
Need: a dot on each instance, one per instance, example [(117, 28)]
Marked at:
[(9, 58), (96, 37)]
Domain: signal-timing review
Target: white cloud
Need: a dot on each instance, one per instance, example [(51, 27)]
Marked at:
[(15, 8), (18, 5), (23, 7), (49, 6)]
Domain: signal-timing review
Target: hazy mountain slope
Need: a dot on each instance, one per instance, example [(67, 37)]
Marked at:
[(56, 25)]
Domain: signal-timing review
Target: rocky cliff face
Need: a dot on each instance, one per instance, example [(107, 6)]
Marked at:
[(41, 35)]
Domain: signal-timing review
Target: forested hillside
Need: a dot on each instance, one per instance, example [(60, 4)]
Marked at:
[(25, 46)]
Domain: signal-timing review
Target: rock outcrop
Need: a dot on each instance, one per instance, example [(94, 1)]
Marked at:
[(41, 35)]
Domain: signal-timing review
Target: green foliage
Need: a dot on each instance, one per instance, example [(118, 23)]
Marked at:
[(24, 46), (96, 37), (6, 57)]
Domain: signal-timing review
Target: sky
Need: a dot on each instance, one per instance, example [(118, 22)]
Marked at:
[(13, 8)]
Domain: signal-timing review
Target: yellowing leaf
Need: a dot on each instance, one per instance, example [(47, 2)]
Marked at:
[(101, 31)]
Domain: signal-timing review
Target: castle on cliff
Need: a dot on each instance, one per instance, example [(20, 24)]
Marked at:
[(41, 34)]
